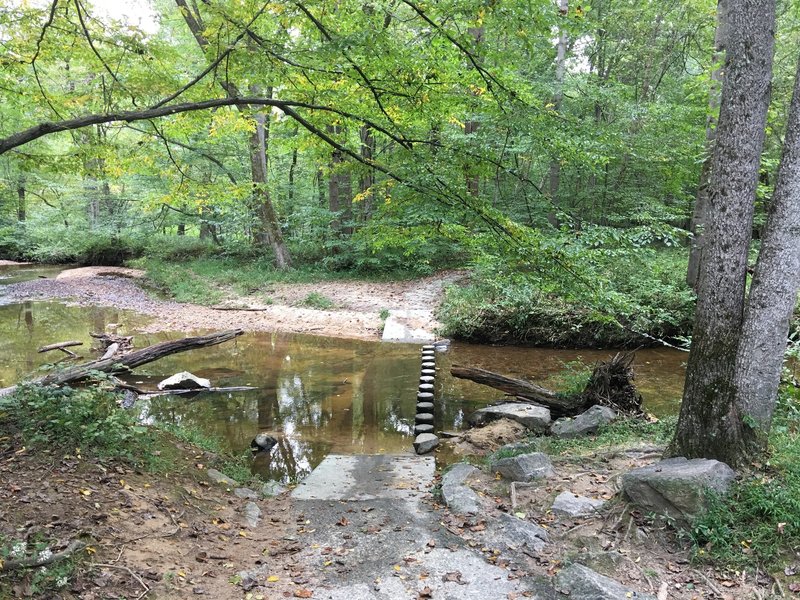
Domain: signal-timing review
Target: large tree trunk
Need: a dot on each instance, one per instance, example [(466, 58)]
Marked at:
[(554, 178), (368, 178), (340, 190), (773, 293), (21, 208), (709, 425), (132, 360), (701, 208)]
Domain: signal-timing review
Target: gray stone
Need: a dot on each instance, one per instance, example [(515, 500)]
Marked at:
[(429, 353), (263, 441), (426, 379), (424, 406), (535, 418), (272, 488), (245, 493), (252, 515), (429, 347), (184, 381), (677, 487), (423, 428), (424, 397), (525, 467), (425, 387), (425, 442), (424, 418), (429, 364), (514, 532), (428, 372), (458, 496), (571, 505), (581, 583), (584, 424), (220, 478)]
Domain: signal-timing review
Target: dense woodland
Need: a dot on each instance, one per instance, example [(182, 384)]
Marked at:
[(593, 165)]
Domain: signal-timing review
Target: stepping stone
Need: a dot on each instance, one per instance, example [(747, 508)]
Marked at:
[(424, 418), (423, 428), (426, 379), (425, 387), (429, 365), (431, 372), (423, 407), (425, 442), (429, 347), (424, 397)]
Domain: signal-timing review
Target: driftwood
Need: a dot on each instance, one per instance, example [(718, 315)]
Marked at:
[(145, 395), (31, 563), (124, 342), (611, 384), (131, 360), (61, 346), (242, 308), (525, 390)]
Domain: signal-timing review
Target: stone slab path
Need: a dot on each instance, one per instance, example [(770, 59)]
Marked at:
[(371, 532)]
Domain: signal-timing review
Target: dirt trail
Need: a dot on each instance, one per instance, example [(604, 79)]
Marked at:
[(355, 314)]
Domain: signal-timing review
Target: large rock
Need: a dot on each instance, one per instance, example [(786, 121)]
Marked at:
[(584, 424), (514, 532), (581, 583), (221, 478), (263, 442), (571, 505), (425, 442), (535, 418), (184, 381), (252, 515), (458, 496), (677, 487), (273, 488), (525, 467)]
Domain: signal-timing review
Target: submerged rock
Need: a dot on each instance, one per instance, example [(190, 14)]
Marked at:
[(184, 381), (263, 442), (677, 487), (525, 467), (584, 424)]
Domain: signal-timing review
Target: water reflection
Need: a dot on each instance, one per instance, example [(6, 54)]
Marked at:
[(315, 395), (16, 273)]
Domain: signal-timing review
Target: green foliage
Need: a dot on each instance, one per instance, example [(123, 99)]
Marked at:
[(757, 524), (573, 377), (77, 420), (317, 300)]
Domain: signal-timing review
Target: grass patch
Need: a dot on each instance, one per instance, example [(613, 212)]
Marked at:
[(758, 523), (317, 300)]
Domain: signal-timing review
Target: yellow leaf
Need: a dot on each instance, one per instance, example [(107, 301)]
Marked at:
[(86, 492), (273, 578), (90, 550), (242, 534)]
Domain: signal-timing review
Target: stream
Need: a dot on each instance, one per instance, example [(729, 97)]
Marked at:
[(317, 395)]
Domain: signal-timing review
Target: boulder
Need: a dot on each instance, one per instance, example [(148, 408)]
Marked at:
[(677, 488), (581, 583), (571, 505), (514, 532), (458, 496), (221, 478), (245, 493), (525, 467), (535, 418), (184, 381), (263, 442), (584, 424), (425, 442)]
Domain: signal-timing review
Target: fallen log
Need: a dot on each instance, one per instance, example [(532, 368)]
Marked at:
[(217, 390), (61, 346), (131, 360), (559, 405)]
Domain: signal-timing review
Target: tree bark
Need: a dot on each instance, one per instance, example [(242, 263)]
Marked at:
[(368, 178), (21, 207), (132, 360), (709, 425), (558, 405), (554, 176), (340, 190), (773, 293), (701, 208)]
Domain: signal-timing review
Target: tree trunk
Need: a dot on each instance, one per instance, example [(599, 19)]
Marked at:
[(709, 425), (473, 180), (554, 177), (340, 191), (132, 360), (701, 208), (773, 293), (368, 178), (21, 208)]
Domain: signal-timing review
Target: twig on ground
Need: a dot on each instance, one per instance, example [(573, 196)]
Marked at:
[(29, 563), (132, 574)]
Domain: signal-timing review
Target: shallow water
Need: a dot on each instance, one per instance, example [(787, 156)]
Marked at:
[(16, 273), (317, 395)]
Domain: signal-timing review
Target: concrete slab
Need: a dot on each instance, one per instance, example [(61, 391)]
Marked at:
[(368, 477), (412, 326)]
